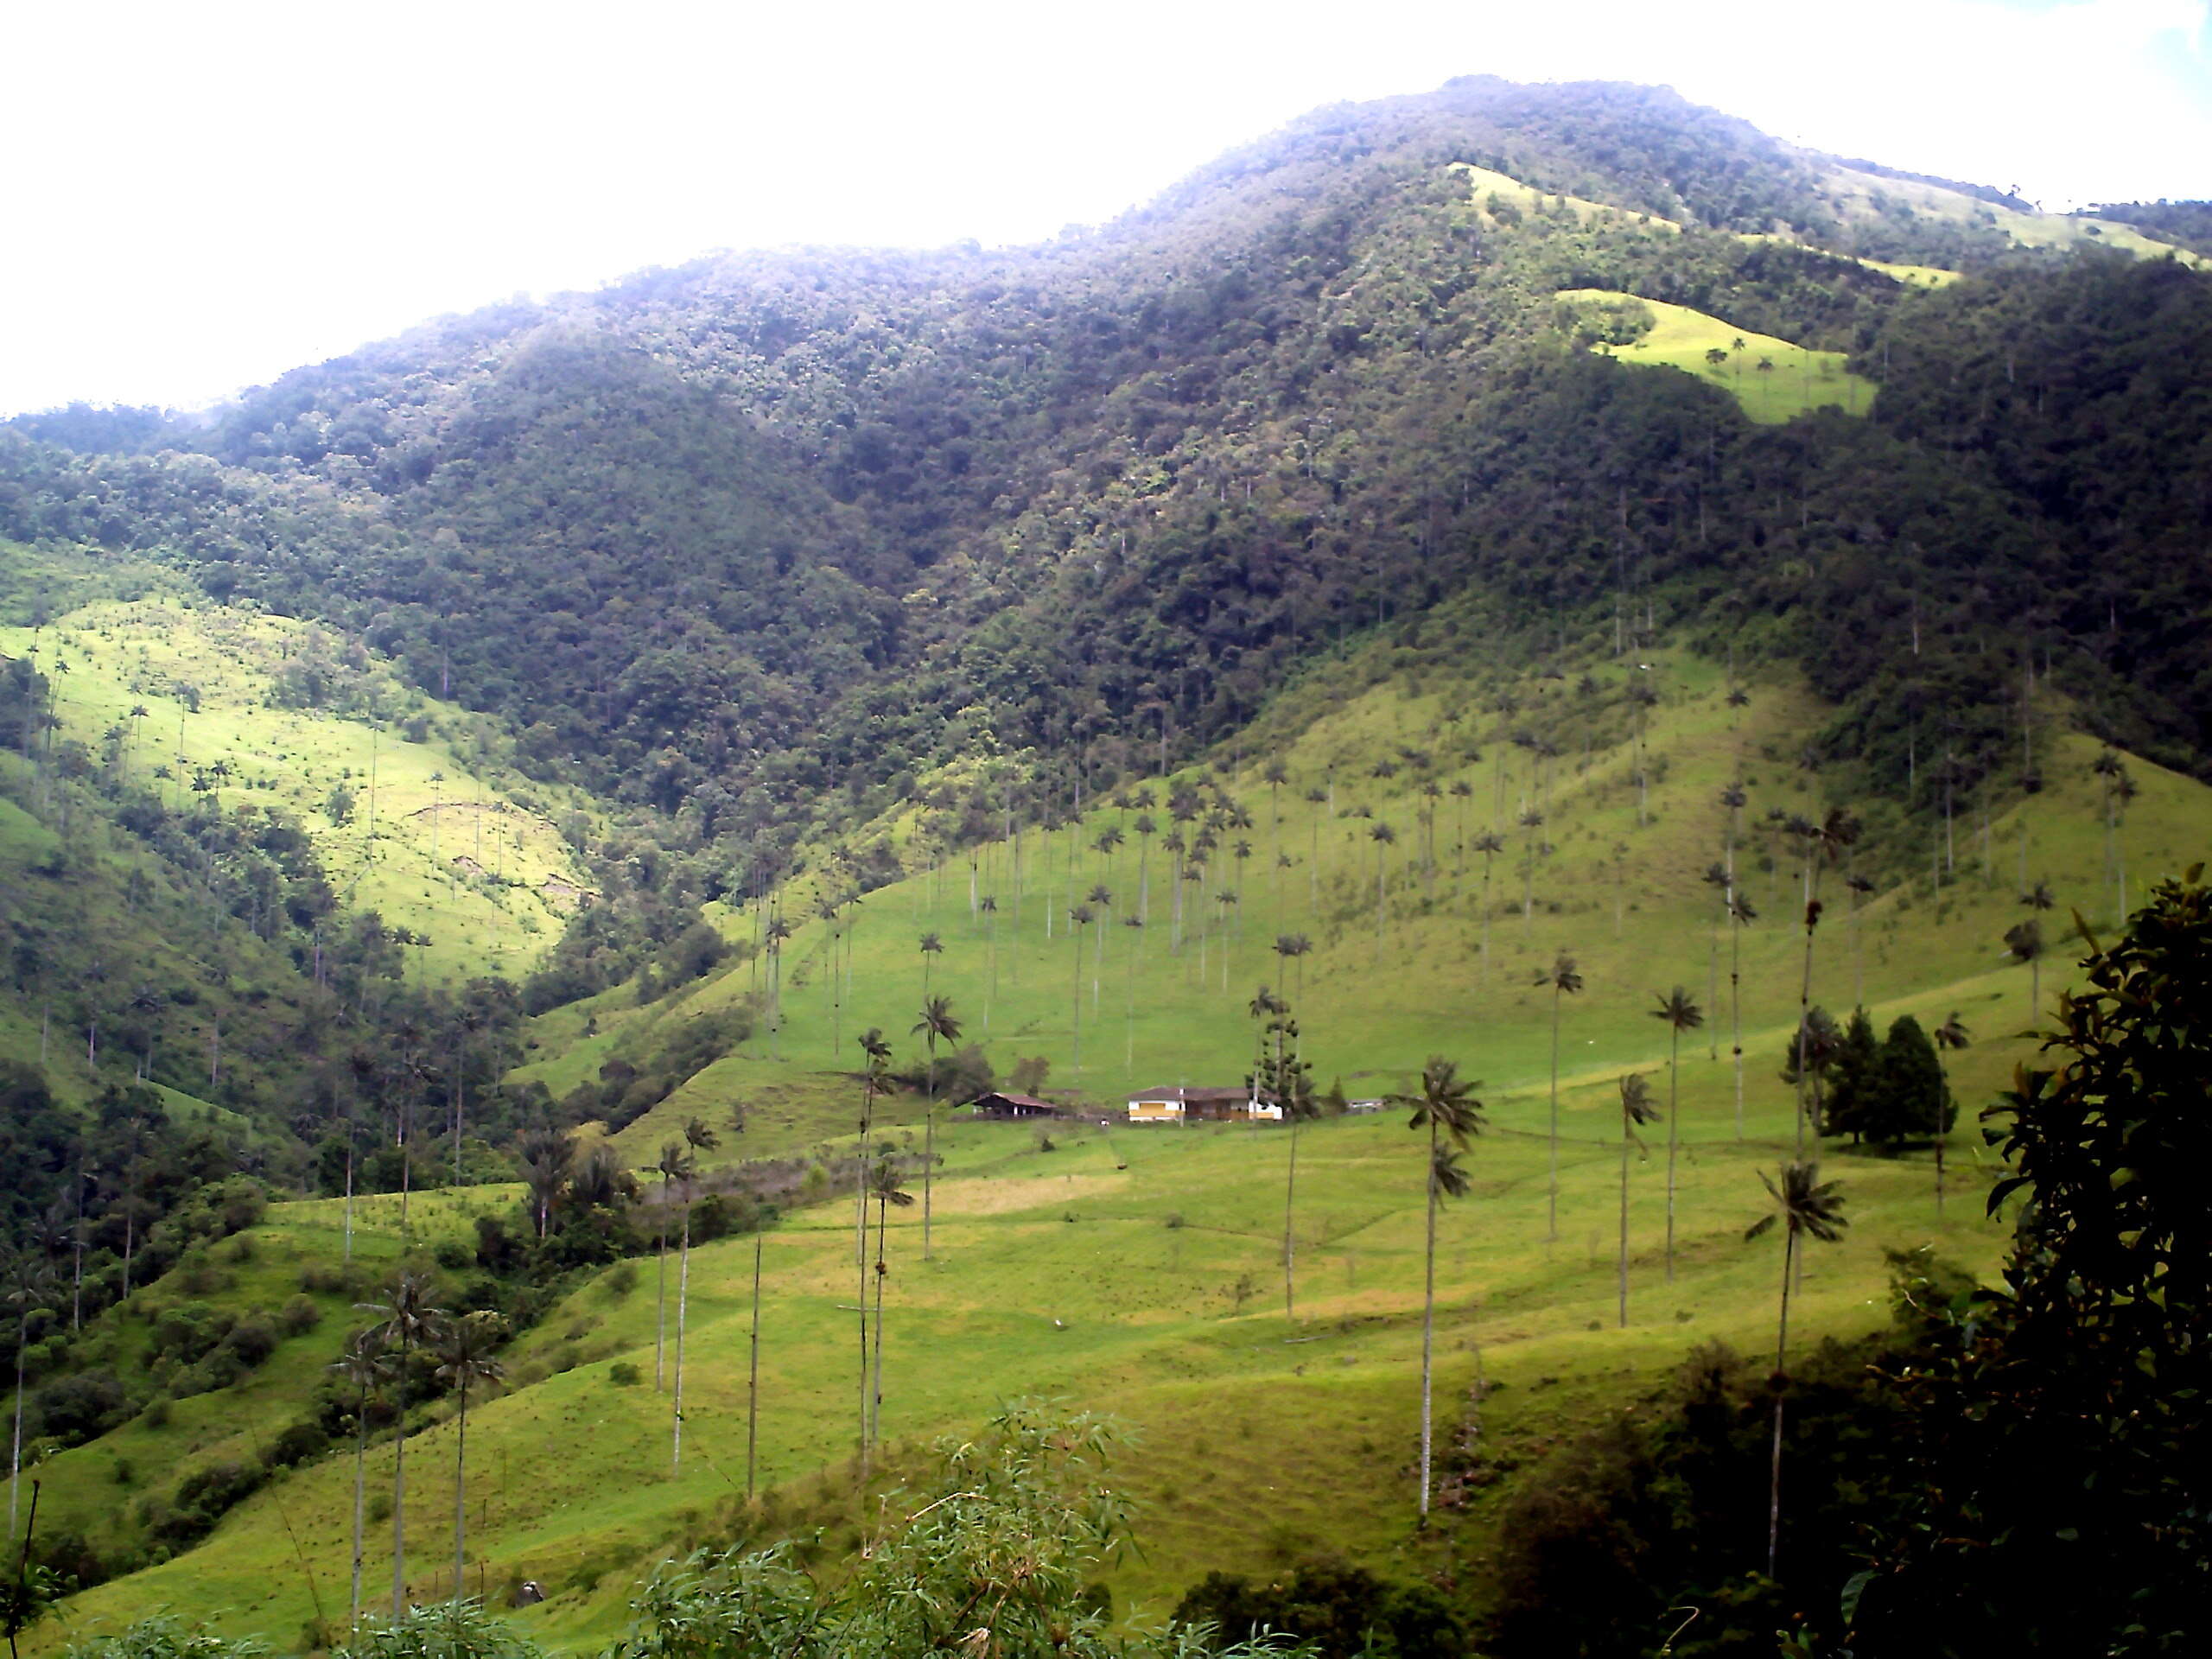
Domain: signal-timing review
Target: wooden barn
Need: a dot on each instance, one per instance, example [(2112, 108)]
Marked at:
[(1003, 1107), (1185, 1105)]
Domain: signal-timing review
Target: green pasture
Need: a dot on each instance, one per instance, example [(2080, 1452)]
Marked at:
[(1138, 1272), (437, 840), (1141, 1270), (1853, 193), (1774, 380), (1378, 993), (1482, 183)]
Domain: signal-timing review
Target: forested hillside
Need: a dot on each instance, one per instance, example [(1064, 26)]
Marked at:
[(756, 542)]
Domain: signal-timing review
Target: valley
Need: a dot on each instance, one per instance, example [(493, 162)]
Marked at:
[(551, 817)]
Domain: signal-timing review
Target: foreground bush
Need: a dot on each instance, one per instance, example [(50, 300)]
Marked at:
[(992, 1558)]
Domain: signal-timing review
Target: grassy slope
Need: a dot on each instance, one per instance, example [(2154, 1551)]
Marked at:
[(1852, 193), (1061, 1272), (480, 871), (1799, 381)]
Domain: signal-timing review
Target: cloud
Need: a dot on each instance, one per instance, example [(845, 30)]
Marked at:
[(203, 196)]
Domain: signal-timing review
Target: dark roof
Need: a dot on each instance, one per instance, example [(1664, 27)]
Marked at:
[(1193, 1096), (1012, 1099)]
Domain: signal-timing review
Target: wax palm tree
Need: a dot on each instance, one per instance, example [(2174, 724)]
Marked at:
[(697, 1138), (28, 1284), (753, 1364), (1637, 1109), (1101, 899), (2038, 900), (931, 947), (1560, 979), (1682, 1014), (1080, 918), (1859, 887), (1807, 1207), (778, 930), (1461, 790), (884, 1187), (2024, 941), (1447, 1108), (2109, 769), (876, 1056), (1741, 914), (1382, 835), (549, 1157), (988, 905), (1951, 1036), (1136, 924), (1489, 845), (1823, 843), (674, 1164), (1107, 843), (363, 1365), (408, 1322), (1145, 829), (937, 1021), (465, 1360)]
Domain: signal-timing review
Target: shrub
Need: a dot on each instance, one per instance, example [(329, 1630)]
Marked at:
[(298, 1443), (217, 1487), (74, 1409), (160, 1635), (298, 1316), (445, 1630), (252, 1340), (1339, 1610), (623, 1375)]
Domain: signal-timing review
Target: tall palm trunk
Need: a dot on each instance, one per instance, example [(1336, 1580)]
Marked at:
[(360, 1496), (1736, 1006), (461, 1496), (1624, 1264), (1289, 1237), (1552, 1231), (1780, 1373), (399, 1496), (660, 1297), (752, 1373), (1428, 1323), (875, 1395), (1674, 1135), (928, 1122), (682, 1306), (16, 1457)]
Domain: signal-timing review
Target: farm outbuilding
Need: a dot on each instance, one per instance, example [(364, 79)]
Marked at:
[(1000, 1107), (1186, 1105)]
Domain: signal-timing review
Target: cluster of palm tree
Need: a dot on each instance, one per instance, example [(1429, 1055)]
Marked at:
[(381, 1357)]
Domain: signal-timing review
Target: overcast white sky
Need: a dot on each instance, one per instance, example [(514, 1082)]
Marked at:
[(200, 193)]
